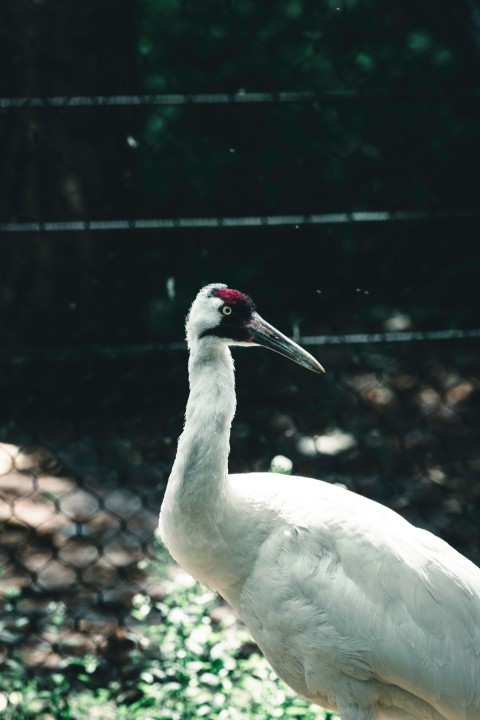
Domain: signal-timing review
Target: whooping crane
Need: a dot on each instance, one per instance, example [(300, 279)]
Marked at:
[(354, 607)]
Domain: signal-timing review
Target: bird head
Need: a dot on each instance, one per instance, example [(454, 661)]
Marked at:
[(222, 315)]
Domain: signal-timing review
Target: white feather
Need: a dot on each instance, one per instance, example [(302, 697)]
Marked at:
[(355, 608)]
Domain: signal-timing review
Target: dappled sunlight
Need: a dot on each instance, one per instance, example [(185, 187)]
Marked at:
[(372, 389), (332, 442), (322, 155), (80, 540)]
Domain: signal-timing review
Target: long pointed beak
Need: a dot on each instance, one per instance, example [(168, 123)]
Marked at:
[(267, 336)]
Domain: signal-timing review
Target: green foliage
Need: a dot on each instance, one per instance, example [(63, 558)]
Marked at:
[(340, 153), (187, 665)]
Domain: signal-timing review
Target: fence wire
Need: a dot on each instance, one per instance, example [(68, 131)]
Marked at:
[(121, 154), (378, 216), (79, 502), (241, 97)]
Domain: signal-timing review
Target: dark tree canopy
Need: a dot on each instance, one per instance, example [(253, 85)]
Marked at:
[(393, 126)]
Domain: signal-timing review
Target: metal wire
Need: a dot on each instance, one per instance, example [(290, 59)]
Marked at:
[(163, 99), (112, 352), (390, 337), (239, 97), (374, 216)]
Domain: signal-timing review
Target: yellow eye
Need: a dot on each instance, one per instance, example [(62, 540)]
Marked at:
[(226, 310)]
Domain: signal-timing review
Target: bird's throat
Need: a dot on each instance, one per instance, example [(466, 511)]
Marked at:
[(198, 482)]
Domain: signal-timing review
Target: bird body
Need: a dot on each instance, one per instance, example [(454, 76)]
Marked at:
[(355, 608)]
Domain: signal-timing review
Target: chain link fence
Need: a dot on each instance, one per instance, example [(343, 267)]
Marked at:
[(80, 495), (323, 157)]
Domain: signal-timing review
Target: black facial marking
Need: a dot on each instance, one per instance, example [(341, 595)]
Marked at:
[(233, 326), (230, 331)]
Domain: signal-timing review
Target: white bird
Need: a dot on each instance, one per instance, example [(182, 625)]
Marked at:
[(355, 608)]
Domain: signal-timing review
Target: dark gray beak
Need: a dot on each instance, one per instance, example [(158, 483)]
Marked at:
[(267, 336)]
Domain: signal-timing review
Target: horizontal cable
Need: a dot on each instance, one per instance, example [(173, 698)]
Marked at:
[(240, 97), (158, 99), (62, 353), (112, 352), (232, 222), (389, 337)]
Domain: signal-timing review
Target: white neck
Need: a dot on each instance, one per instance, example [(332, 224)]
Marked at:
[(196, 496)]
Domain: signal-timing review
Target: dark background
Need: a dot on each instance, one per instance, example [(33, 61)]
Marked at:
[(91, 391)]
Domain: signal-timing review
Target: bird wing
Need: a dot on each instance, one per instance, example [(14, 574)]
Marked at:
[(361, 592)]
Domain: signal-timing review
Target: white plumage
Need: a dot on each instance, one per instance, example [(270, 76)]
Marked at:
[(355, 608)]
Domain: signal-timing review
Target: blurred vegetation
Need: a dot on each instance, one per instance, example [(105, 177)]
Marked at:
[(391, 128), (395, 125), (190, 660)]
